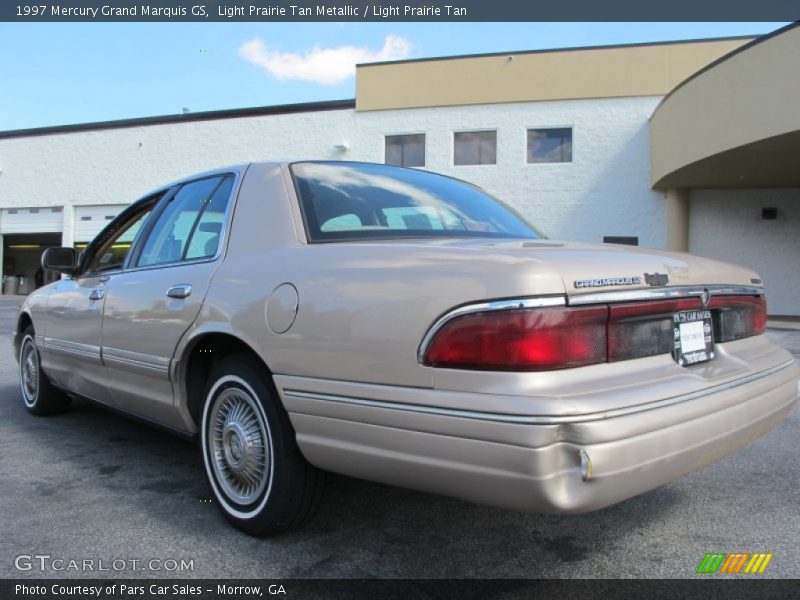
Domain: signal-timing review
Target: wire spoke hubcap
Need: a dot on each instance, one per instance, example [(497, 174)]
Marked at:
[(29, 371), (239, 446)]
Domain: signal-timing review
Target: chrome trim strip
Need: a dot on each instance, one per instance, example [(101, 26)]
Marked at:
[(685, 291), (72, 348), (137, 360), (135, 363), (537, 419), (510, 304), (55, 349)]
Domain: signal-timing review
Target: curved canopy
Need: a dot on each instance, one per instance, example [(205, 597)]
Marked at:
[(735, 123)]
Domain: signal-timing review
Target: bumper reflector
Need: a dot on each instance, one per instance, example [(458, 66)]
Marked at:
[(586, 464)]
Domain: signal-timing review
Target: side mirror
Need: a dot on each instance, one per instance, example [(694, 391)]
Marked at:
[(63, 260)]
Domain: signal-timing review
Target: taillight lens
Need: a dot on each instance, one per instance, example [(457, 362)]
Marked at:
[(536, 339), (546, 339), (738, 317)]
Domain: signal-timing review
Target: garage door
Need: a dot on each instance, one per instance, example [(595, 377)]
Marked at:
[(89, 220), (31, 220)]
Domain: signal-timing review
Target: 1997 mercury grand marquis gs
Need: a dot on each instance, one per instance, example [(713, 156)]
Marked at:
[(405, 327)]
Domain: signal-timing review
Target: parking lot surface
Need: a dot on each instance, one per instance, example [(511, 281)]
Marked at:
[(91, 485)]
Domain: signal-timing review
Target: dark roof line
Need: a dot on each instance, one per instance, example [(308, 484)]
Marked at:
[(209, 115), (566, 49), (724, 57)]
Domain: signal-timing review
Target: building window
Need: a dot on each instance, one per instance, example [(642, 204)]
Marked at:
[(475, 148), (405, 150), (551, 145)]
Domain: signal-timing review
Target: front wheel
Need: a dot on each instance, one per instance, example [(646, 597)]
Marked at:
[(40, 396), (259, 478)]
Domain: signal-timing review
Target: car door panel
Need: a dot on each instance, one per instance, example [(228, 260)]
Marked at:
[(141, 328), (73, 334)]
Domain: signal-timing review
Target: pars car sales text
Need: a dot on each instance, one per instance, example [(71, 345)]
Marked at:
[(176, 589), (157, 590)]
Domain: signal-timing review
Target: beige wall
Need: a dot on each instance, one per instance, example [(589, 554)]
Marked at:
[(645, 70), (677, 217), (736, 124)]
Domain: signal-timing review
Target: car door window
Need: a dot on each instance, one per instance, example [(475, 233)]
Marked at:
[(184, 220), (208, 229), (111, 254)]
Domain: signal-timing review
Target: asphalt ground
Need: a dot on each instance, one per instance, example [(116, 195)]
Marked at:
[(92, 485)]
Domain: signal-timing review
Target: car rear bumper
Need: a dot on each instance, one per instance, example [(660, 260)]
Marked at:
[(532, 463)]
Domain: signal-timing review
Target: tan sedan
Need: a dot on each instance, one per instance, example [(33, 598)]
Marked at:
[(404, 327)]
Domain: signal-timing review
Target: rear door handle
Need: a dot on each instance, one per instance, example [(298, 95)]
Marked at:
[(179, 291), (97, 294)]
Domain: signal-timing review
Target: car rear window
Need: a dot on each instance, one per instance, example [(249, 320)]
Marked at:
[(358, 201)]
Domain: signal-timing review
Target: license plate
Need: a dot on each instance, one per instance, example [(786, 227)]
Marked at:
[(694, 337)]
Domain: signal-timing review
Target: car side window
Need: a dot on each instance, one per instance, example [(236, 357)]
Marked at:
[(190, 225), (111, 254), (205, 239)]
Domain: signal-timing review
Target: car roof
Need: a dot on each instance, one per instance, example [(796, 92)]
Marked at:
[(243, 167)]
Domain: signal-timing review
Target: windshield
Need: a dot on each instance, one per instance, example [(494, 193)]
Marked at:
[(357, 201)]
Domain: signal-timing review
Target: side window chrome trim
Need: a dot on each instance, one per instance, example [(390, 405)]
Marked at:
[(223, 238)]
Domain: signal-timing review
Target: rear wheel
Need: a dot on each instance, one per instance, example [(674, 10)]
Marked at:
[(39, 395), (259, 478)]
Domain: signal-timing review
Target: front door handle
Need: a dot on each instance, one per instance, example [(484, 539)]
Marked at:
[(97, 294), (179, 291)]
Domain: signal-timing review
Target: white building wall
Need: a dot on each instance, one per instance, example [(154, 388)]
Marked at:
[(90, 220), (604, 191), (727, 224)]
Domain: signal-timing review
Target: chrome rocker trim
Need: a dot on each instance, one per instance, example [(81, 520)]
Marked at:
[(72, 349)]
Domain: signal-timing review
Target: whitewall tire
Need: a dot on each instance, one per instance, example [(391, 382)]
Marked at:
[(38, 394), (258, 477)]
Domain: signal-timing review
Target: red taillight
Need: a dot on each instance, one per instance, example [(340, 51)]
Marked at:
[(545, 339), (536, 339), (759, 315)]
